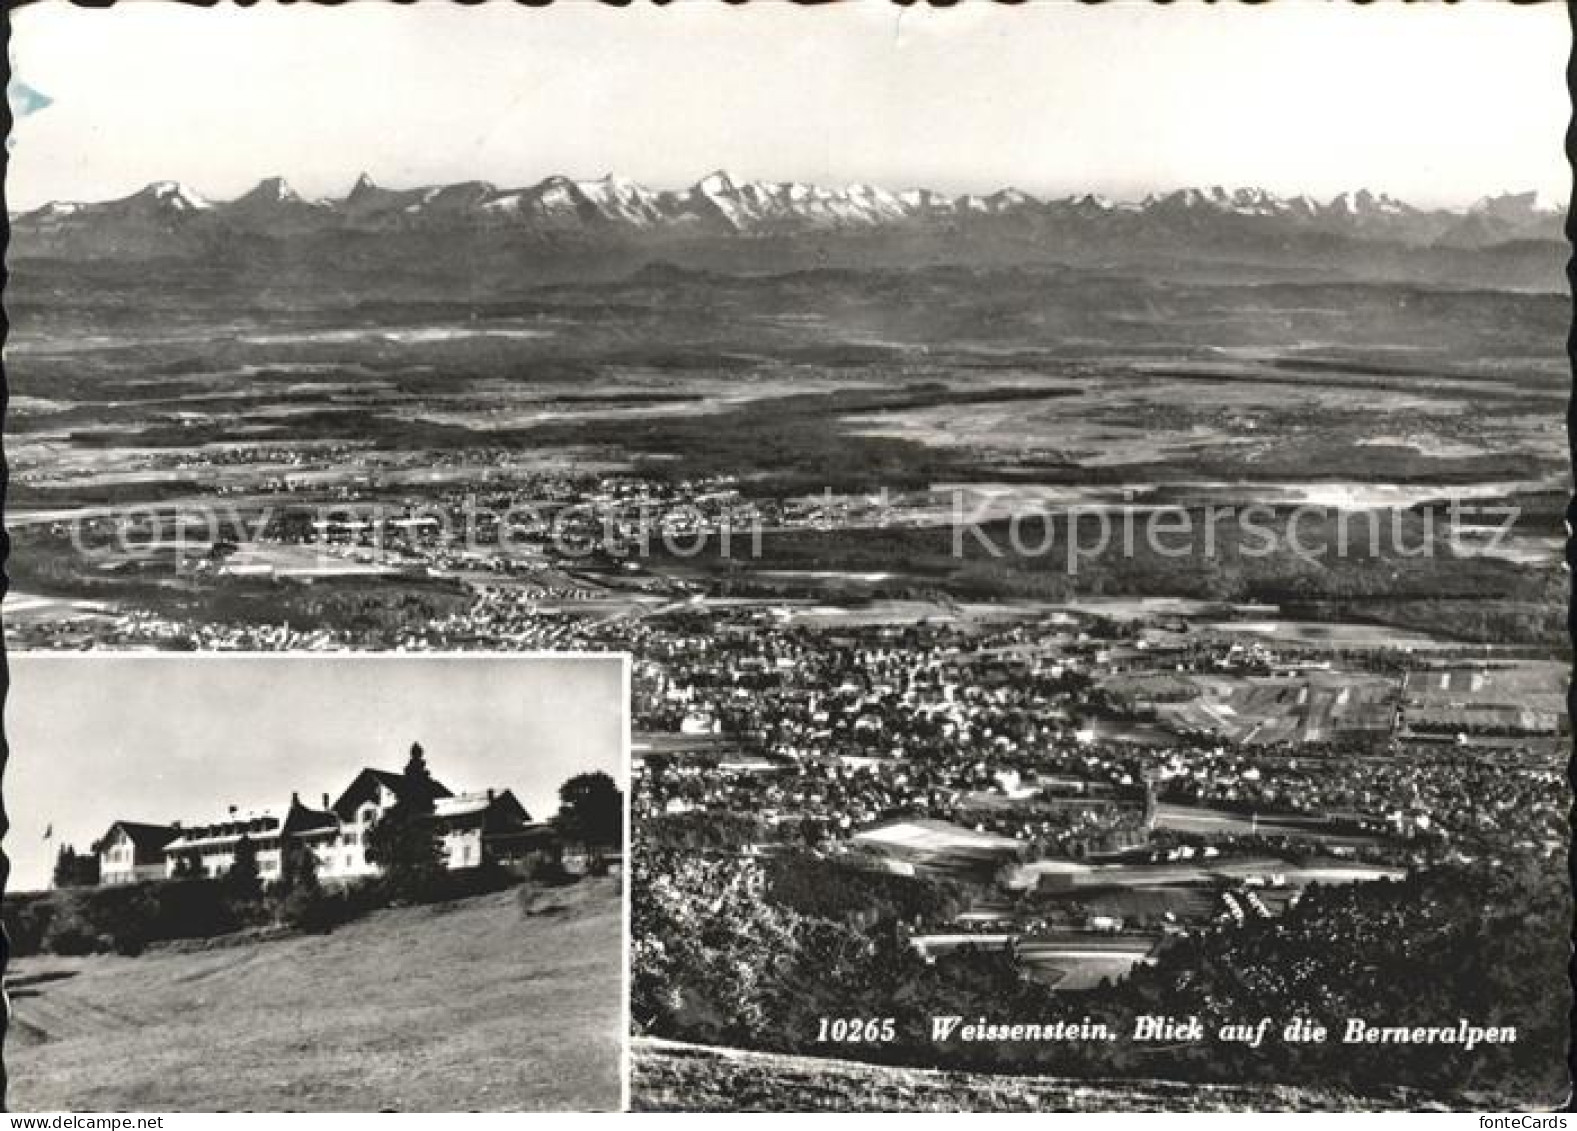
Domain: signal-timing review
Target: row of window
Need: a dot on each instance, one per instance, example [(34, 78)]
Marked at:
[(466, 853)]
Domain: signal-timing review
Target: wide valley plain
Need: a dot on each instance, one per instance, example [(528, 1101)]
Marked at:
[(841, 518)]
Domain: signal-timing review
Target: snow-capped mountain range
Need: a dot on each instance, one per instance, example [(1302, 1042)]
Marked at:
[(169, 218)]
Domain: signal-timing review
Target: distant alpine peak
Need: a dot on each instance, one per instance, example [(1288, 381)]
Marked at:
[(275, 190), (1183, 198), (1198, 197), (1252, 200), (174, 195), (721, 204), (1091, 200), (720, 181), (924, 198), (1010, 197), (1363, 202), (1510, 205), (1248, 200), (60, 208)]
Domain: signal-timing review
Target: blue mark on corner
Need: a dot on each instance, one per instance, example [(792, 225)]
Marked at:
[(25, 100)]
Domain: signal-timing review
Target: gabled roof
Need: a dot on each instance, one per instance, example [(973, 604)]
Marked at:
[(144, 837), (542, 831), (462, 806), (501, 807), (301, 819), (363, 785)]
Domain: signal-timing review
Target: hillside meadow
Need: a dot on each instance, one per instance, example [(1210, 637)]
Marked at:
[(467, 1006)]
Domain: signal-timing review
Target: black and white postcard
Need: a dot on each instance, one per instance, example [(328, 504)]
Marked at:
[(315, 883), (1064, 503)]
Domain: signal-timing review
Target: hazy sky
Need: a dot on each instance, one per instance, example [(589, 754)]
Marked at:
[(1437, 104), (158, 738)]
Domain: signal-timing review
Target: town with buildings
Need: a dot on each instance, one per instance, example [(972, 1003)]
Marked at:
[(1093, 776), (1125, 766)]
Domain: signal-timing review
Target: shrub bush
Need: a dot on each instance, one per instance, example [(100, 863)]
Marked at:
[(122, 919), (27, 921), (549, 871), (126, 918)]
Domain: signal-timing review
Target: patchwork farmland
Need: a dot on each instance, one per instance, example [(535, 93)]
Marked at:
[(1522, 698)]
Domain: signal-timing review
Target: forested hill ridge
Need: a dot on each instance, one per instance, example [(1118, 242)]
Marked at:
[(562, 226), (751, 960)]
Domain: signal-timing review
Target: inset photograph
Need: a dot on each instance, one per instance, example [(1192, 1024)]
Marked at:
[(294, 882)]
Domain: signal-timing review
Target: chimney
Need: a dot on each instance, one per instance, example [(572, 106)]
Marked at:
[(232, 810), (325, 802), (489, 795), (295, 799)]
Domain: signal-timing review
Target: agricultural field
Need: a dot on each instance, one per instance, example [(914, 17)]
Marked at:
[(802, 383), (1203, 821), (1511, 699), (936, 845), (1274, 710), (1064, 876)]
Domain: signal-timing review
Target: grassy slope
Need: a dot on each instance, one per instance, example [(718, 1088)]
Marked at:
[(669, 1076), (475, 1007)]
